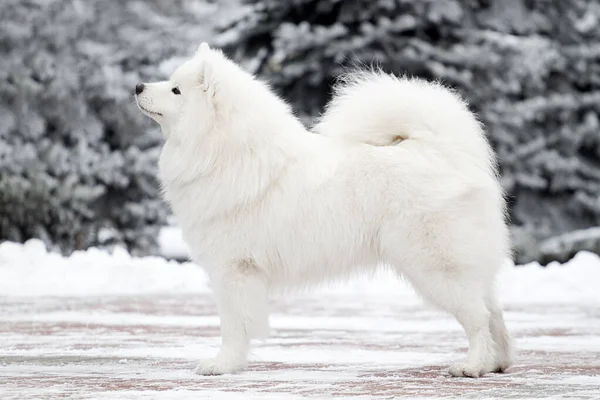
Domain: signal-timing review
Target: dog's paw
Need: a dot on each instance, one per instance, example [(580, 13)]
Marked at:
[(220, 366), (504, 360), (464, 369), (502, 366)]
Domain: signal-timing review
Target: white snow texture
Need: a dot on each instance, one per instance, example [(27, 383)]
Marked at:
[(111, 326)]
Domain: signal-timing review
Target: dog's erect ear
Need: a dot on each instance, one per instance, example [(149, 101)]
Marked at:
[(203, 48), (206, 74), (206, 68)]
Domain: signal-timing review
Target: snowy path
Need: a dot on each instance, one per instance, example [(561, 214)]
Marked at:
[(368, 340)]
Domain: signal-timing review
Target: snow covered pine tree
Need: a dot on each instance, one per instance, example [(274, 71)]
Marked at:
[(77, 160)]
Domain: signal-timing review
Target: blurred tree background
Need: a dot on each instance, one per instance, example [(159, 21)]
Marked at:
[(78, 161)]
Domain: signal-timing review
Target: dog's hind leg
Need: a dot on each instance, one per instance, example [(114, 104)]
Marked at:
[(242, 296), (503, 340), (464, 299)]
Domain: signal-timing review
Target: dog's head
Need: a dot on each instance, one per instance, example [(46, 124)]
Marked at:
[(189, 93)]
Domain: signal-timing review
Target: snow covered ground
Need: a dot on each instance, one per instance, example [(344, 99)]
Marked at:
[(109, 326)]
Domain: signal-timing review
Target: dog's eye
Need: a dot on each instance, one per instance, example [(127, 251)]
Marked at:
[(175, 90)]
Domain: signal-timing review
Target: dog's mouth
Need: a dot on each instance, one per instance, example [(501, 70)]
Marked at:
[(148, 111)]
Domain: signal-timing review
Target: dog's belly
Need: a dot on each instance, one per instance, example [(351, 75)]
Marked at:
[(311, 253)]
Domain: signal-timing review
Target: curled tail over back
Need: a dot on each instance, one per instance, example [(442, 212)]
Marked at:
[(383, 110)]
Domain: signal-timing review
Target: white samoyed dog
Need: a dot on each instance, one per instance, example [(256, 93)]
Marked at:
[(398, 173)]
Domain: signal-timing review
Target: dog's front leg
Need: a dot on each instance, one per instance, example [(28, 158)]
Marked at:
[(242, 296)]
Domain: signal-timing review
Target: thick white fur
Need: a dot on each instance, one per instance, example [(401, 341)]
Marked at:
[(400, 175)]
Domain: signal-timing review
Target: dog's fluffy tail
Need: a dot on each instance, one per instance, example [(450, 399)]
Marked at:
[(383, 110)]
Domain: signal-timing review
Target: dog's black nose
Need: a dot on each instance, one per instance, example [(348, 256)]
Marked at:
[(139, 88)]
